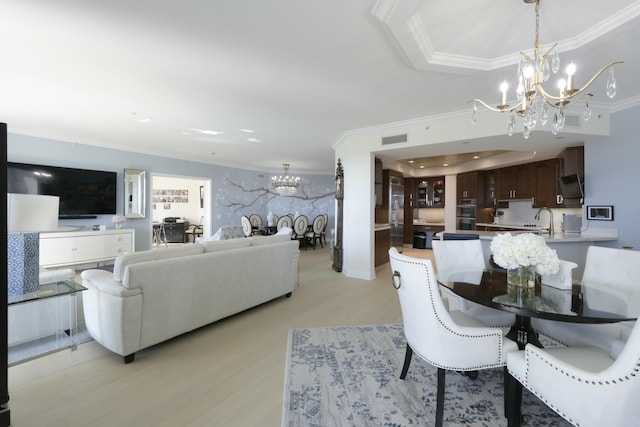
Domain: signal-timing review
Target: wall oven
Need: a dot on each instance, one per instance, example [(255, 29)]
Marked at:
[(466, 208), (466, 224), (466, 214)]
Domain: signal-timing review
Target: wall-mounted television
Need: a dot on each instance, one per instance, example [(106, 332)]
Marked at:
[(571, 186), (83, 193)]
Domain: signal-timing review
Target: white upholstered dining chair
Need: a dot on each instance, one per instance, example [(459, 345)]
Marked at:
[(300, 229), (612, 270), (284, 221), (587, 386), (448, 340), (246, 225), (467, 255)]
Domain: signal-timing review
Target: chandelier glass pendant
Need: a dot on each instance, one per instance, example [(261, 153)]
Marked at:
[(534, 102), (285, 185)]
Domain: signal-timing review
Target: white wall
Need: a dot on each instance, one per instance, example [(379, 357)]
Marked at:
[(612, 176)]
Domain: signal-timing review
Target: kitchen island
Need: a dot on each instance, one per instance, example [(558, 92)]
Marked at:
[(568, 246)]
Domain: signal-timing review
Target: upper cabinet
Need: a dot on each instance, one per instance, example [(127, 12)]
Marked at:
[(429, 192), (378, 182), (545, 178), (514, 182), (471, 185)]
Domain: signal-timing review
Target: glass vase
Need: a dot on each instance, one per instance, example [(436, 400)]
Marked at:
[(524, 277)]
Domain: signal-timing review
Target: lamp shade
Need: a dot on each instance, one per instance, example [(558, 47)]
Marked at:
[(32, 212)]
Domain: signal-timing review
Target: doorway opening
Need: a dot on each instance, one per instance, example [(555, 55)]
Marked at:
[(182, 199)]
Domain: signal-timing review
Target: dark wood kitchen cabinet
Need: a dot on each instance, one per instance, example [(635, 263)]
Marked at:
[(429, 192), (514, 182), (546, 188), (378, 182), (471, 185)]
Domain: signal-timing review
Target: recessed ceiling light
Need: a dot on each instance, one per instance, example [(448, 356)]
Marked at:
[(144, 120), (210, 132), (476, 157), (445, 164), (247, 130), (421, 166), (253, 140), (411, 161)]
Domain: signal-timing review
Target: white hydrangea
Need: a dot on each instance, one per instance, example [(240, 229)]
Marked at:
[(523, 250)]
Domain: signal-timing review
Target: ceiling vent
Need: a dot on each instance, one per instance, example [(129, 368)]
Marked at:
[(396, 139), (572, 121)]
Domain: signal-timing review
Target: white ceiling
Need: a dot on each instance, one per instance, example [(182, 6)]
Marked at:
[(151, 75)]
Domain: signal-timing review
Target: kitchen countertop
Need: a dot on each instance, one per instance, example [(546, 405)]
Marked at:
[(556, 238), (434, 224), (511, 226)]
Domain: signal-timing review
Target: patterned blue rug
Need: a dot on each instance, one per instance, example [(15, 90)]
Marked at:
[(349, 376)]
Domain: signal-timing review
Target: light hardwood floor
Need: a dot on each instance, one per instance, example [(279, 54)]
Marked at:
[(230, 373)]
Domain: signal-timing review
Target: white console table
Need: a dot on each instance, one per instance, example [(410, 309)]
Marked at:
[(65, 248)]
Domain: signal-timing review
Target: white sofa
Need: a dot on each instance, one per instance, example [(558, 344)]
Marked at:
[(155, 295)]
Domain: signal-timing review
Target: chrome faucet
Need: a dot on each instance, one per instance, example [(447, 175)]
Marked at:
[(537, 217)]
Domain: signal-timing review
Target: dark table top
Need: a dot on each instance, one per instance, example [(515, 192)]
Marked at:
[(584, 303)]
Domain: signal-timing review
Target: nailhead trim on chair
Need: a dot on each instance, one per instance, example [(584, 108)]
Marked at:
[(431, 299), (552, 406)]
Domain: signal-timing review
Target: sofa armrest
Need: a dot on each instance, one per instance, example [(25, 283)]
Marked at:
[(113, 313), (103, 281)]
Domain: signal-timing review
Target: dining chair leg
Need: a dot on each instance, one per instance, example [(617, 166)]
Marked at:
[(513, 400), (407, 361), (440, 397)]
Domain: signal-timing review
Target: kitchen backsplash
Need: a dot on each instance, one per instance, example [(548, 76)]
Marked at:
[(430, 215), (521, 213)]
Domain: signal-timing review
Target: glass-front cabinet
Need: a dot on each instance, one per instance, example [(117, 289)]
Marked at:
[(429, 192)]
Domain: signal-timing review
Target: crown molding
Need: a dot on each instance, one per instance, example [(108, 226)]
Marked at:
[(409, 32)]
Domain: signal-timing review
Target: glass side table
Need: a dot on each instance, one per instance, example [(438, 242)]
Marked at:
[(42, 322)]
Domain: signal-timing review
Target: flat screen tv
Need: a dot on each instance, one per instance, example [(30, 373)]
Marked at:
[(83, 193), (571, 187)]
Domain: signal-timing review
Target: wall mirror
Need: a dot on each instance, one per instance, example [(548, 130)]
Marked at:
[(134, 193)]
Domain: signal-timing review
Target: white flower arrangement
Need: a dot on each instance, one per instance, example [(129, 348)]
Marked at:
[(524, 250), (117, 219)]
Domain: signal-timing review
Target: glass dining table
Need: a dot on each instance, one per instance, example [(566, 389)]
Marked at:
[(583, 303)]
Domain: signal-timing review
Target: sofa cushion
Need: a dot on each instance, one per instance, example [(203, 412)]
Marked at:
[(268, 240), (222, 245), (123, 261)]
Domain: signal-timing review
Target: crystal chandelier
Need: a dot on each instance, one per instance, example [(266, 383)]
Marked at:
[(285, 185), (534, 101)]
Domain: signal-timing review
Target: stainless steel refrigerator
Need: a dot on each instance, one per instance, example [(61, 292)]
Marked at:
[(396, 211)]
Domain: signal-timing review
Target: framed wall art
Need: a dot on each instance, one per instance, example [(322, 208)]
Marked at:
[(600, 213)]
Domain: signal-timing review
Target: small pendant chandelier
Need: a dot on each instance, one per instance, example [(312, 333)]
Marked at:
[(285, 185), (535, 104)]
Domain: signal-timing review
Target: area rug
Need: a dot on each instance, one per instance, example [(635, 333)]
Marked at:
[(349, 376)]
